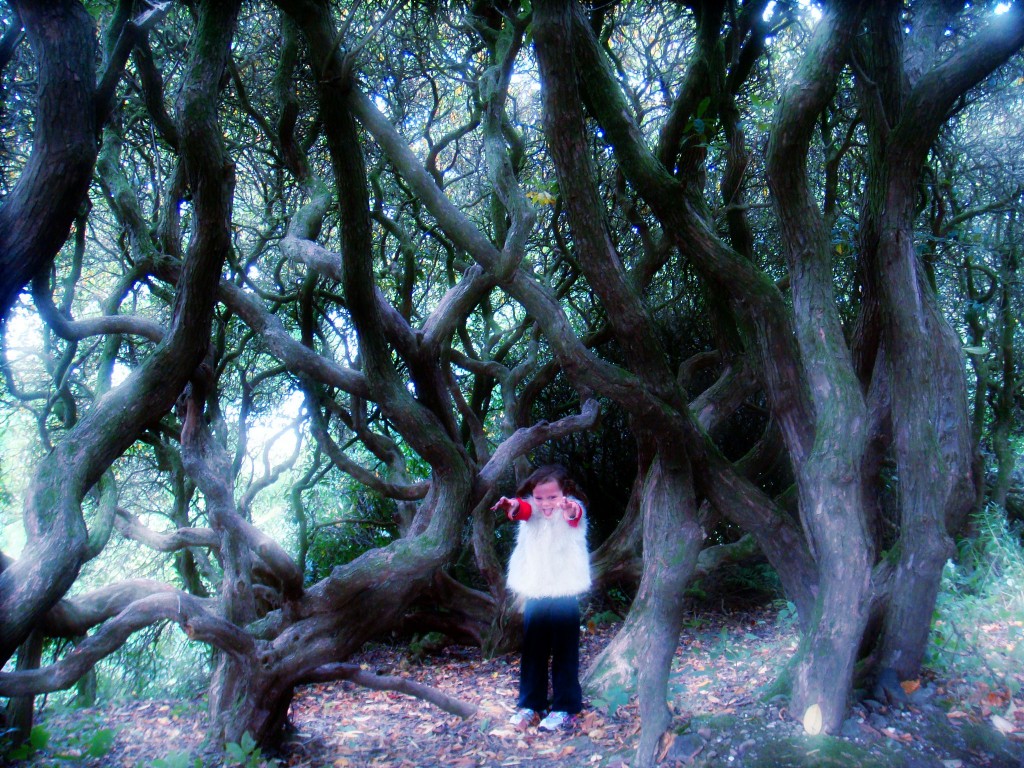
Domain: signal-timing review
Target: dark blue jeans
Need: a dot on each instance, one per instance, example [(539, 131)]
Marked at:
[(551, 632)]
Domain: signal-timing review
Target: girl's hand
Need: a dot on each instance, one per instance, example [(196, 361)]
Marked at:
[(506, 505), (571, 510)]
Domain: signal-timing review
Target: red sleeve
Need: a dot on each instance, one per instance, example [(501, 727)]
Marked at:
[(575, 522), (522, 513)]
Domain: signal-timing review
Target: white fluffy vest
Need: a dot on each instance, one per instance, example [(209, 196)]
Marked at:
[(550, 558)]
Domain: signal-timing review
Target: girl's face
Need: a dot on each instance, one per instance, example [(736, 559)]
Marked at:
[(549, 497)]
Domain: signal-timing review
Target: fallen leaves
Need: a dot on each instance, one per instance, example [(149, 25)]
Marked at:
[(895, 735), (346, 726), (1002, 725), (910, 686)]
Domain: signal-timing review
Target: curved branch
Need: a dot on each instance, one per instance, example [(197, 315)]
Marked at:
[(132, 32), (928, 105), (189, 612), (36, 216), (412, 492), (106, 514), (527, 438), (719, 401), (331, 672), (128, 525), (73, 617), (455, 224), (293, 354), (207, 463)]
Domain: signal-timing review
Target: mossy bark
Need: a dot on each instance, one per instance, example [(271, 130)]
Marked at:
[(640, 656)]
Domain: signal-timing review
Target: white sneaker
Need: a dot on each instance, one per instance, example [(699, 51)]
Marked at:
[(523, 718), (557, 721)]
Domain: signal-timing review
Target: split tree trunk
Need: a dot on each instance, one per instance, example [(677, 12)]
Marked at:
[(931, 424)]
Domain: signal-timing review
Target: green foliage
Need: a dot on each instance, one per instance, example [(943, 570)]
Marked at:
[(38, 739), (695, 590), (787, 616), (369, 525), (100, 742), (155, 662), (978, 624), (178, 760), (726, 647), (246, 753), (604, 618), (422, 646), (97, 8), (87, 742), (759, 579)]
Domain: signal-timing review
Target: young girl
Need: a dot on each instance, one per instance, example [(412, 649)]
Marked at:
[(549, 568)]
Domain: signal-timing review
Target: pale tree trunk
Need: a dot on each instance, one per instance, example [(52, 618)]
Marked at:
[(828, 477)]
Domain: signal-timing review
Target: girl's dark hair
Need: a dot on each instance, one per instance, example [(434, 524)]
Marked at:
[(556, 473)]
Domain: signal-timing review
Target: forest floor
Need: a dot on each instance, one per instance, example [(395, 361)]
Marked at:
[(722, 716)]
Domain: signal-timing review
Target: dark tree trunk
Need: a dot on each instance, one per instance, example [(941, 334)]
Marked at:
[(36, 216), (905, 111), (57, 544), (21, 709)]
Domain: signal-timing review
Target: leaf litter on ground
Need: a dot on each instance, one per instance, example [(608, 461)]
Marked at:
[(721, 715)]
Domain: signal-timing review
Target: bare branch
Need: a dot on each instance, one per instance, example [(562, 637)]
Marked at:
[(353, 672), (130, 527), (189, 612), (526, 439)]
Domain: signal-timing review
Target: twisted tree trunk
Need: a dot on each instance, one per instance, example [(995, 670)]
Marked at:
[(58, 539), (931, 422)]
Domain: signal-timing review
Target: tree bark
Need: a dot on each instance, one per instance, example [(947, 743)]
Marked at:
[(58, 540), (640, 655), (931, 423), (21, 709), (828, 477), (36, 216)]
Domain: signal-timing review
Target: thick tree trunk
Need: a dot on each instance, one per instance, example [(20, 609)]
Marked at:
[(931, 425), (823, 674), (931, 428), (640, 656), (828, 478), (36, 216), (21, 709)]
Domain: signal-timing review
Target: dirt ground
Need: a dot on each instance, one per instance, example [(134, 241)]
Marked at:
[(723, 717)]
